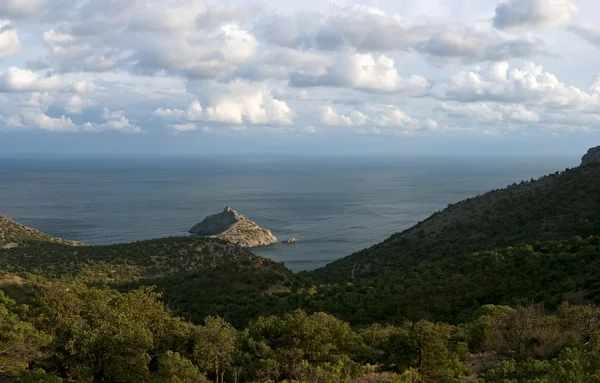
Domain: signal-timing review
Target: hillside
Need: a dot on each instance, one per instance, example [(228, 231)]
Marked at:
[(13, 234), (557, 206), (121, 262)]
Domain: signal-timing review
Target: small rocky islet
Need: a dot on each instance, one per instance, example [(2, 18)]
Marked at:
[(231, 226)]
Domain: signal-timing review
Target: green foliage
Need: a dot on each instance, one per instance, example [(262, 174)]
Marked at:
[(174, 368), (20, 341), (38, 376)]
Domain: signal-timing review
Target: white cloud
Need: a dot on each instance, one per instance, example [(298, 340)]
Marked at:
[(193, 112), (388, 117), (83, 87), (493, 112), (76, 104), (240, 103), (114, 121), (10, 44), (179, 128), (21, 80), (329, 116), (364, 72), (529, 85), (534, 13)]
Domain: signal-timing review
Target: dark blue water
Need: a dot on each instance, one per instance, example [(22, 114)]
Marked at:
[(333, 206)]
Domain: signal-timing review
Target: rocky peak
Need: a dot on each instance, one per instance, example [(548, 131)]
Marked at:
[(592, 156), (232, 226)]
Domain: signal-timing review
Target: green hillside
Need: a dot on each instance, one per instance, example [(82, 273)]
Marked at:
[(13, 234), (557, 206)]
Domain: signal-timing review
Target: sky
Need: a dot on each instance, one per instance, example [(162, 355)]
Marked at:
[(459, 77)]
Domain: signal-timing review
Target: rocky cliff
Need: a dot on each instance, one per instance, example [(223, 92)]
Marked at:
[(231, 226), (592, 156)]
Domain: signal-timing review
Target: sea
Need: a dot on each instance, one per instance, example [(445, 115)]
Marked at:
[(333, 206)]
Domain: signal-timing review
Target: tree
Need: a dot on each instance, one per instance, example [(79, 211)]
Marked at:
[(214, 346), (20, 342)]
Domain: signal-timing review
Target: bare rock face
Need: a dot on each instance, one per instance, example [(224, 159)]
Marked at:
[(290, 240), (231, 226), (592, 156)]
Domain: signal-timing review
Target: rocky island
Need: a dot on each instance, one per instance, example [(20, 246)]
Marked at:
[(231, 226)]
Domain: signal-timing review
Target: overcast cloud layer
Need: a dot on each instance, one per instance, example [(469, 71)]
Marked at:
[(191, 70)]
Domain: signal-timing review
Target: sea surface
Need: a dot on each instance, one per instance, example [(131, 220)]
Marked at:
[(333, 206)]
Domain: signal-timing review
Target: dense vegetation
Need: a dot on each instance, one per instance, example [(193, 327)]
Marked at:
[(500, 288), (55, 331), (557, 206)]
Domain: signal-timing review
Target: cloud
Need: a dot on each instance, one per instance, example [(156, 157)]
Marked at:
[(21, 80), (10, 44), (467, 45), (329, 116), (179, 128), (363, 72), (19, 8), (113, 121), (235, 103), (193, 112), (83, 87), (587, 32), (533, 13), (76, 104), (528, 85), (493, 112), (356, 26), (388, 117), (243, 103)]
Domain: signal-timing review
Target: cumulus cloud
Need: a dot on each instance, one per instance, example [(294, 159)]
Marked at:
[(329, 116), (493, 112), (193, 112), (364, 72), (21, 80), (10, 44), (534, 13), (529, 85), (239, 103), (386, 117), (83, 87), (587, 32), (76, 104), (235, 103), (113, 121)]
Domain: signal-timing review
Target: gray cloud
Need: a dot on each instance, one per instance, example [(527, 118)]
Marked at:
[(533, 13), (360, 27), (467, 45), (587, 32)]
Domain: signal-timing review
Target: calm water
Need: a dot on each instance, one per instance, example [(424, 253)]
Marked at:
[(333, 206)]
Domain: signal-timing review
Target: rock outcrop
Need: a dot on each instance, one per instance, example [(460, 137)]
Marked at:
[(231, 226), (592, 156), (290, 240)]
